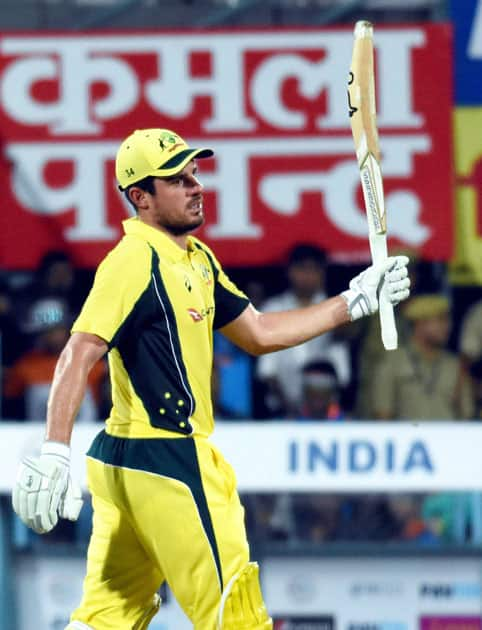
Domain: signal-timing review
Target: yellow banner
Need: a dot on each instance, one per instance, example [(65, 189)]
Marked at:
[(466, 266)]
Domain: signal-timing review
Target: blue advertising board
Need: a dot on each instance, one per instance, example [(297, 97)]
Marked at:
[(467, 19)]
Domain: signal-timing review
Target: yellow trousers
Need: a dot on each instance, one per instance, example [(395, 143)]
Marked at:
[(164, 509)]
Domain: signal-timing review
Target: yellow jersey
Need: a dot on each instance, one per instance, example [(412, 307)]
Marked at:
[(156, 305)]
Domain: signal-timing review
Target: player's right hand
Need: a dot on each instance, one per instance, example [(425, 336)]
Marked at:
[(391, 275), (44, 489)]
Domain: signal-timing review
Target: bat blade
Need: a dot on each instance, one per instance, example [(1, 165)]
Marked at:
[(362, 112)]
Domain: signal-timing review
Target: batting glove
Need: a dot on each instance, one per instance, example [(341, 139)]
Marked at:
[(44, 489), (391, 276)]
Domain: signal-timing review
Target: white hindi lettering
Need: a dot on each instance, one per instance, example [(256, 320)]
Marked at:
[(281, 193), (395, 77), (474, 47), (242, 95), (75, 64), (339, 184), (85, 193), (173, 92)]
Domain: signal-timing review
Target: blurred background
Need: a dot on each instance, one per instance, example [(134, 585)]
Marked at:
[(360, 470)]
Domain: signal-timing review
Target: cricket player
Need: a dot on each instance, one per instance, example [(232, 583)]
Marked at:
[(164, 498)]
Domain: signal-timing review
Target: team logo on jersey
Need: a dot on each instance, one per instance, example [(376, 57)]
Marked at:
[(205, 274)]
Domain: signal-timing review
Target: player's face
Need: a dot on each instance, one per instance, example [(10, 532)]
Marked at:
[(177, 203)]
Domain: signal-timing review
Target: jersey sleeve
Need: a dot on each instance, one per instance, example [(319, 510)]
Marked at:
[(119, 281), (229, 301)]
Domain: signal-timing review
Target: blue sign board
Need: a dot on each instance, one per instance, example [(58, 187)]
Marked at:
[(467, 19)]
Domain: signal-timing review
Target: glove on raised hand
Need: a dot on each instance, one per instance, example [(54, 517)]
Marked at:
[(44, 489), (391, 276)]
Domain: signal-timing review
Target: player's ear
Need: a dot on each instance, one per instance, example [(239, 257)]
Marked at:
[(138, 197)]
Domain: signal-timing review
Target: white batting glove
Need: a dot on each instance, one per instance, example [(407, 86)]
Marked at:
[(391, 275), (44, 489)]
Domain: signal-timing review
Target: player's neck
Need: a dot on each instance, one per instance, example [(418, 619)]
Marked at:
[(179, 239)]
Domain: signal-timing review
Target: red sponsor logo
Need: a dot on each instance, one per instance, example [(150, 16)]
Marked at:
[(196, 316)]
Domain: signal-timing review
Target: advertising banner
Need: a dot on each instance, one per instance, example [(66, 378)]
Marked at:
[(467, 19), (373, 593), (311, 456), (466, 268), (273, 106), (49, 588), (301, 593)]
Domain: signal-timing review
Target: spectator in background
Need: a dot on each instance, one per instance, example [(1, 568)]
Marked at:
[(471, 334), (425, 277), (421, 380), (311, 517), (411, 525), (366, 517), (233, 378), (29, 379), (55, 277), (230, 381), (9, 345), (281, 371), (448, 516), (320, 392)]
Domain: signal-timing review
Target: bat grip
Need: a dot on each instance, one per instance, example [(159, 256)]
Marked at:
[(378, 246)]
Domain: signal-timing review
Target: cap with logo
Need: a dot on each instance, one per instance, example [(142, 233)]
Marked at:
[(156, 152)]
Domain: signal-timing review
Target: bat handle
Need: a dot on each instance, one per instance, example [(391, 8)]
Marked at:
[(378, 246), (387, 323)]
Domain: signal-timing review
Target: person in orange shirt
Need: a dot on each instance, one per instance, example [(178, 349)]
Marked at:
[(30, 377)]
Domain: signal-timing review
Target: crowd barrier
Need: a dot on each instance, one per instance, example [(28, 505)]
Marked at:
[(310, 456), (412, 590)]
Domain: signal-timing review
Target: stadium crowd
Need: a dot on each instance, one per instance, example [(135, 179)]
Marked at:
[(436, 374)]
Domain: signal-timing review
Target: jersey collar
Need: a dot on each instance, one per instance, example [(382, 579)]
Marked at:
[(160, 241)]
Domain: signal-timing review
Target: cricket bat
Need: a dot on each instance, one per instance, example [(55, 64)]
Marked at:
[(363, 118)]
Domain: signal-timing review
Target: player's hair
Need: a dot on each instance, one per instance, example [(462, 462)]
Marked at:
[(146, 184)]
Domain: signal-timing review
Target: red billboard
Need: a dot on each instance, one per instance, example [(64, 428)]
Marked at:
[(273, 106)]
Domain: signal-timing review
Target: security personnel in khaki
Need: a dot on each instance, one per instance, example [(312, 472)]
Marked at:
[(422, 380), (165, 501)]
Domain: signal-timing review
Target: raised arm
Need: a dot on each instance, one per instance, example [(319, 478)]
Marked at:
[(259, 333)]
